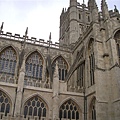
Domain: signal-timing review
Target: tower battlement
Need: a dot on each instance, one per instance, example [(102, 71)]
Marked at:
[(32, 40)]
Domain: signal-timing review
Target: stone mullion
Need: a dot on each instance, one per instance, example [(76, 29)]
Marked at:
[(10, 67), (64, 73), (93, 67), (82, 73), (78, 76), (32, 111), (0, 64)]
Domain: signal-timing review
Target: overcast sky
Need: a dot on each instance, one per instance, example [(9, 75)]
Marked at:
[(40, 16)]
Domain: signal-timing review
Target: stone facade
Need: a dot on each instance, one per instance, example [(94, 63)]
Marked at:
[(76, 79)]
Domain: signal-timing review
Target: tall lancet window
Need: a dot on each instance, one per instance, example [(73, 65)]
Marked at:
[(80, 70), (93, 110), (62, 67), (34, 66), (117, 39), (80, 75), (91, 61), (8, 60)]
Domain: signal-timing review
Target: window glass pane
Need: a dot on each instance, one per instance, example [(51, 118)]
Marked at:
[(77, 115), (2, 107), (35, 111), (62, 74), (30, 111), (40, 112), (44, 112), (73, 114), (25, 111), (69, 115), (7, 109), (60, 114)]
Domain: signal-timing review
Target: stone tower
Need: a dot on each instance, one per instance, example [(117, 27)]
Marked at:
[(73, 22)]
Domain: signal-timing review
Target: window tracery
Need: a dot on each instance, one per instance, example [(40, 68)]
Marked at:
[(117, 38), (62, 67), (69, 110), (91, 61), (4, 103), (8, 60), (80, 75), (34, 66), (35, 107), (93, 110)]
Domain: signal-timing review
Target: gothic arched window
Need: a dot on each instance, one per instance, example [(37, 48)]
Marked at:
[(8, 60), (91, 61), (34, 66), (62, 67), (80, 69), (93, 110), (35, 107), (117, 39), (80, 75), (5, 103), (69, 110)]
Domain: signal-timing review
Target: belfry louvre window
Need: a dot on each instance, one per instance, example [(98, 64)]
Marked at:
[(91, 61), (35, 107), (4, 104), (69, 111), (80, 75), (34, 66), (62, 67), (8, 60), (117, 39)]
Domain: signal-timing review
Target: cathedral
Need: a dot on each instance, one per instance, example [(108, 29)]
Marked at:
[(75, 79)]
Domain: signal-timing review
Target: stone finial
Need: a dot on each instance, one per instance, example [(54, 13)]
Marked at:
[(92, 5), (103, 2), (73, 2), (63, 10), (104, 8), (1, 26), (115, 9)]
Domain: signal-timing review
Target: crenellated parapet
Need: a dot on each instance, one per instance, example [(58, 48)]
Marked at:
[(32, 40)]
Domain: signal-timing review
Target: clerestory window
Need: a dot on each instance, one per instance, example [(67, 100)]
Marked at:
[(62, 67), (8, 60), (91, 61), (34, 66)]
